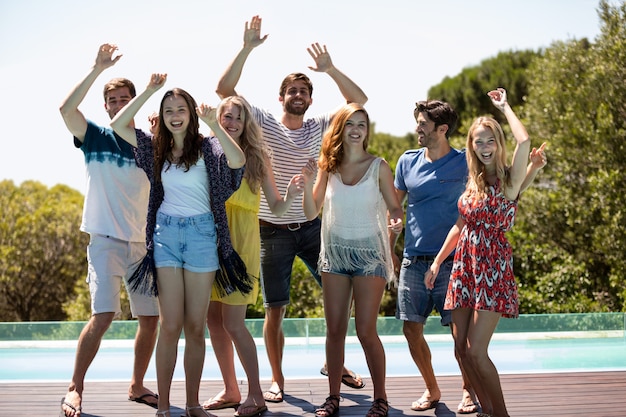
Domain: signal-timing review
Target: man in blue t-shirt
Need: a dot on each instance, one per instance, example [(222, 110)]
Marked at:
[(431, 179), (114, 216)]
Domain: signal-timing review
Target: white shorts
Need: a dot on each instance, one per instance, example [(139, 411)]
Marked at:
[(112, 261)]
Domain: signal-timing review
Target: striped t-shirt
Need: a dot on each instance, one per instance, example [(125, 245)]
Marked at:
[(290, 151)]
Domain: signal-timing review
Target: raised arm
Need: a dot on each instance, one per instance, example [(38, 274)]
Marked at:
[(73, 118), (277, 203), (348, 88), (234, 154), (314, 192), (522, 149), (251, 39), (537, 161), (122, 123)]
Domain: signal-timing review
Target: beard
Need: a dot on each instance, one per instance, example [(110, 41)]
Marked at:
[(297, 111)]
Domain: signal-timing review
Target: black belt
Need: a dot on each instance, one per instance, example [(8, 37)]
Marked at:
[(429, 258), (292, 227)]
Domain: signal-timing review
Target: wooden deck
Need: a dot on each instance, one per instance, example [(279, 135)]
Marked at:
[(601, 394)]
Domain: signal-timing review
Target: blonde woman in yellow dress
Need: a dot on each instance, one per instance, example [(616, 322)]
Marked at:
[(226, 317)]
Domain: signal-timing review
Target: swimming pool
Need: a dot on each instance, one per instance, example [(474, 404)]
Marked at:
[(602, 347)]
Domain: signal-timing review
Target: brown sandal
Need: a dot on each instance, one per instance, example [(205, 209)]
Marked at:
[(379, 408), (330, 407)]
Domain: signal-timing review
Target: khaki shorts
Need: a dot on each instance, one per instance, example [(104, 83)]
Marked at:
[(111, 262)]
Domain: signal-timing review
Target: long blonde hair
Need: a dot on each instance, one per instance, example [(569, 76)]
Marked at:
[(250, 141), (477, 185)]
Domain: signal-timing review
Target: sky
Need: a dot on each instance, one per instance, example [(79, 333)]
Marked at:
[(395, 50)]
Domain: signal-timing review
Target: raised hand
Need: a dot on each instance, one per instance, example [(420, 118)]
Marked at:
[(498, 98), (538, 157), (321, 56), (207, 114), (296, 186), (252, 35), (309, 171), (156, 81), (153, 119), (105, 56)]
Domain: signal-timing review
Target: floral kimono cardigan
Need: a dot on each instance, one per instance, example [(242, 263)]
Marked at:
[(223, 182)]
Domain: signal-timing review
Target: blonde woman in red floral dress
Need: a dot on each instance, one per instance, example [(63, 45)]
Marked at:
[(482, 286)]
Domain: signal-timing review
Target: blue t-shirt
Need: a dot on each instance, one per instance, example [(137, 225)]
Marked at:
[(433, 190)]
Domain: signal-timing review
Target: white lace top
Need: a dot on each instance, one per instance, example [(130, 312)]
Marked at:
[(354, 222)]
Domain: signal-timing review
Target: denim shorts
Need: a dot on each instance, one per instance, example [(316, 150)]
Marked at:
[(379, 270), (279, 248), (110, 262), (186, 242), (415, 302)]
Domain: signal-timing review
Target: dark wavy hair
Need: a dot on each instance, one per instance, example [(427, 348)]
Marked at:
[(164, 140), (439, 112)]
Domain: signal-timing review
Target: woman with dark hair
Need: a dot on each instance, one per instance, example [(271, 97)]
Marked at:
[(188, 241)]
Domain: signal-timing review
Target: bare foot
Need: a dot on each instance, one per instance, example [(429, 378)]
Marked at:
[(71, 404)]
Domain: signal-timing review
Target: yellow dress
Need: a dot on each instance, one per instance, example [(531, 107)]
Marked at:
[(242, 209)]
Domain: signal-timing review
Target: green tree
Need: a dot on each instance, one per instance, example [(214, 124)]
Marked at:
[(41, 250), (466, 92), (573, 237)]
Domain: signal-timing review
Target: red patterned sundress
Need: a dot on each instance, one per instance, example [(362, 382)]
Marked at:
[(482, 275)]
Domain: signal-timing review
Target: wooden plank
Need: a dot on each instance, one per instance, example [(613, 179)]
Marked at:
[(601, 394)]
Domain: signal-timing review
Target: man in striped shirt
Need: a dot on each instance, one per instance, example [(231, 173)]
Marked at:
[(292, 140)]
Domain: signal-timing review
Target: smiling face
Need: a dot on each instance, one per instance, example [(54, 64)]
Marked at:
[(116, 99), (231, 119), (426, 131), (176, 114), (297, 98), (355, 130), (484, 145)]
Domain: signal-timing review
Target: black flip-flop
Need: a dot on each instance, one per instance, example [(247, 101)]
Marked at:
[(141, 400), (353, 376), (275, 396), (344, 379)]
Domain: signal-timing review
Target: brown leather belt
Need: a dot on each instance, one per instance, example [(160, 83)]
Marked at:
[(292, 227)]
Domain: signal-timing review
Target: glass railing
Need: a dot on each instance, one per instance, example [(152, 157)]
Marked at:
[(612, 324)]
